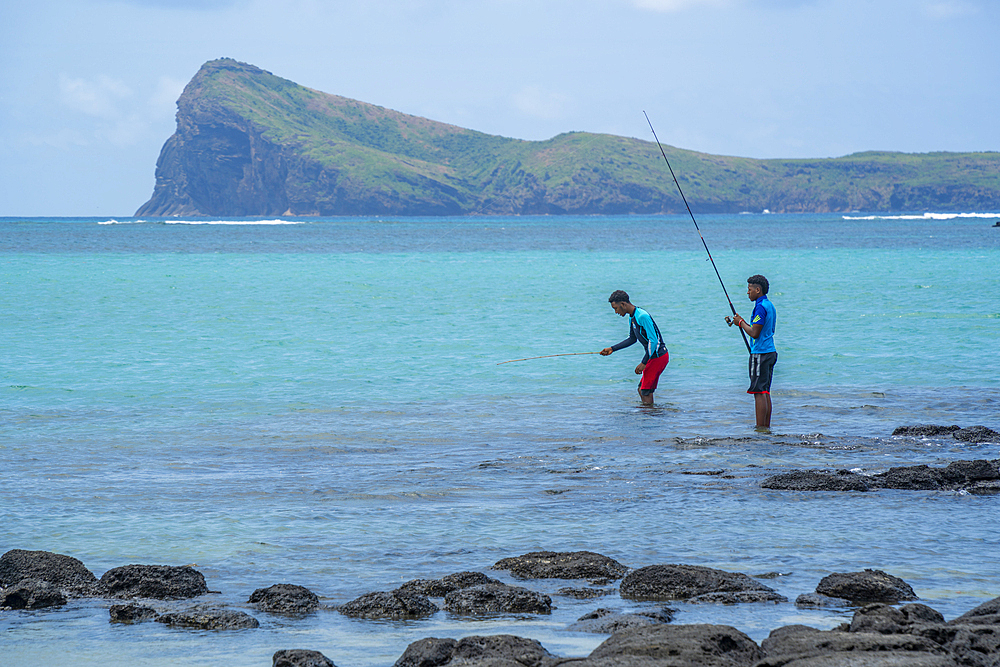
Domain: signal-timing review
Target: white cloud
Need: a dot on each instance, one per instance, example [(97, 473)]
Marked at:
[(946, 9), (536, 102), (99, 97), (667, 6)]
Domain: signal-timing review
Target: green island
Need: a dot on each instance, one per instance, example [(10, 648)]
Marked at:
[(249, 143)]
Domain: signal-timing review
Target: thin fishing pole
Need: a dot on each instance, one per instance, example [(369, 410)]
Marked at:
[(731, 306), (546, 356)]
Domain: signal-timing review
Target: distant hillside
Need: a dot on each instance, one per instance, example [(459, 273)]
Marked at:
[(249, 143)]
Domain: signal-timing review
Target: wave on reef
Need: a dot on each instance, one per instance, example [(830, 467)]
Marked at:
[(203, 222), (923, 216)]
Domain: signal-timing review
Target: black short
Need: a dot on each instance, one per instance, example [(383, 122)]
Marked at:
[(761, 370)]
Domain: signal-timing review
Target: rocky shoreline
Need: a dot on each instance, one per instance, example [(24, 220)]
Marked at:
[(888, 628)]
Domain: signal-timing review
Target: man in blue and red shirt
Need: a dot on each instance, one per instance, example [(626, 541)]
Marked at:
[(763, 354), (643, 329)]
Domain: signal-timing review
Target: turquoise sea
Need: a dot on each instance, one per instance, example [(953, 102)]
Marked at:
[(319, 402)]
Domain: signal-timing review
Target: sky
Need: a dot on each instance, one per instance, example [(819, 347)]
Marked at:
[(88, 88)]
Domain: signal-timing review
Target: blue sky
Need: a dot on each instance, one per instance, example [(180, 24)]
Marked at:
[(88, 87)]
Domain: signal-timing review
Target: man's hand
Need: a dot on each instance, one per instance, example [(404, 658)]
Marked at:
[(606, 351), (639, 369)]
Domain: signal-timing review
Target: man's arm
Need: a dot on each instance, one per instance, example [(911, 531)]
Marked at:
[(753, 330), (617, 346)]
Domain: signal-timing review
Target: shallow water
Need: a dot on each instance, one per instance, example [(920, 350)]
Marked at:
[(320, 404)]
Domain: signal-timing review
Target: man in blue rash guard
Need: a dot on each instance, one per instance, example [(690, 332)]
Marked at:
[(643, 329), (763, 354)]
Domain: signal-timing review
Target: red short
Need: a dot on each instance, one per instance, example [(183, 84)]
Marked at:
[(651, 374)]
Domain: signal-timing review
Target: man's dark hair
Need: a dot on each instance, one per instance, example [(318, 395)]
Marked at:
[(758, 280), (619, 295)]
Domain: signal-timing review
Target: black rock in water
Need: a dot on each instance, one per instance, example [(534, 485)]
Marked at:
[(676, 646), (976, 434), (563, 565), (285, 599), (930, 430), (131, 613), (489, 651), (393, 604), (66, 572), (210, 619), (31, 594), (867, 586), (607, 621), (814, 480), (162, 582), (682, 582), (497, 599), (438, 588), (297, 657)]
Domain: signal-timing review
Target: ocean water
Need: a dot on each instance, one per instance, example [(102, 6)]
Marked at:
[(321, 402)]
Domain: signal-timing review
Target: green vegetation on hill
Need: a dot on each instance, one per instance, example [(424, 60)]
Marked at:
[(251, 143)]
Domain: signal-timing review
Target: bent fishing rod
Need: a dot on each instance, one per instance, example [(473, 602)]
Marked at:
[(546, 356), (731, 306)]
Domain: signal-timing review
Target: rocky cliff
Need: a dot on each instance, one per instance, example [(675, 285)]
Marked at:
[(249, 143)]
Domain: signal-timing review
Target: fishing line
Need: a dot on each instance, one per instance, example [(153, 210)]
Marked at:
[(546, 356), (731, 307)]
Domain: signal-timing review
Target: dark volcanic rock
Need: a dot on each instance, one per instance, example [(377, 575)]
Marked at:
[(681, 582), (298, 657), (490, 651), (210, 619), (677, 646), (131, 613), (919, 478), (66, 572), (737, 597), (977, 434), (562, 565), (987, 613), (867, 586), (162, 582), (394, 604), (800, 646), (31, 594), (883, 619), (285, 599), (815, 480), (585, 593), (607, 621), (494, 599), (929, 430), (817, 600), (438, 588)]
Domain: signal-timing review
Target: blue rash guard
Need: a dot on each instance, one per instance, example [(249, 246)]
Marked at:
[(642, 328), (763, 312)]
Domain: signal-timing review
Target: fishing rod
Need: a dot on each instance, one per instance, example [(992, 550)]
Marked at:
[(546, 356), (731, 306)]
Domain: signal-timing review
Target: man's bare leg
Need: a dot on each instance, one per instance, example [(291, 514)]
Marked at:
[(762, 408), (646, 400)]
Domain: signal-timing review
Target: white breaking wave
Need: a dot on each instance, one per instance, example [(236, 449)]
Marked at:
[(925, 216), (206, 222)]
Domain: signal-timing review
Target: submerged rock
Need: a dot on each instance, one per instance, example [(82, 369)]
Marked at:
[(285, 599), (682, 582), (978, 477), (607, 621), (491, 651), (161, 582), (131, 613), (393, 604), (817, 600), (210, 619), (867, 586), (928, 430), (563, 565), (31, 594), (438, 588), (585, 593), (497, 599), (298, 657), (66, 572)]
